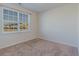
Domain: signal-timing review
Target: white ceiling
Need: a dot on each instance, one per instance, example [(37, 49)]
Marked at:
[(40, 7)]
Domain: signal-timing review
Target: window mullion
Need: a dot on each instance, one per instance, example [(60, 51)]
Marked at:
[(18, 23), (2, 21)]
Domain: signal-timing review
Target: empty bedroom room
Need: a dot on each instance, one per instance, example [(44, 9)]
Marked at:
[(39, 29)]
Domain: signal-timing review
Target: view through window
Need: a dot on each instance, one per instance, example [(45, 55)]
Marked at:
[(14, 21)]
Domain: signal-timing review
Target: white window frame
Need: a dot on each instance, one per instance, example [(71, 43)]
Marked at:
[(29, 21)]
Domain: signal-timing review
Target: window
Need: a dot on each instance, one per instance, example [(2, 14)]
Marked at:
[(23, 21), (10, 19), (15, 21)]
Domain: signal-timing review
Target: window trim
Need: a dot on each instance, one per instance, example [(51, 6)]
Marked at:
[(29, 21)]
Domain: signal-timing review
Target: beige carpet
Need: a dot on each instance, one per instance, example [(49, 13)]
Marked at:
[(39, 47)]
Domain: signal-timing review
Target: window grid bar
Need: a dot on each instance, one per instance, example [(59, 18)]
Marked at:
[(27, 18)]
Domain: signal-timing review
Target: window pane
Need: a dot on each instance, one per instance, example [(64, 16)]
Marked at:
[(5, 17), (10, 21), (10, 18), (15, 18), (26, 21), (15, 13), (10, 12), (6, 26), (9, 27), (5, 11), (23, 21), (20, 19)]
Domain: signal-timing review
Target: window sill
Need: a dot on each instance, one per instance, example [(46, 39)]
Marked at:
[(17, 31)]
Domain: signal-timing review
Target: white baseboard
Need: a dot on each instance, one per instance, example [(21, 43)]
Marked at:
[(78, 51), (8, 45), (61, 42)]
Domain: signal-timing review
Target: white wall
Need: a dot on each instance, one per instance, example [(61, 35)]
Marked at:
[(78, 26), (8, 39), (60, 25)]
